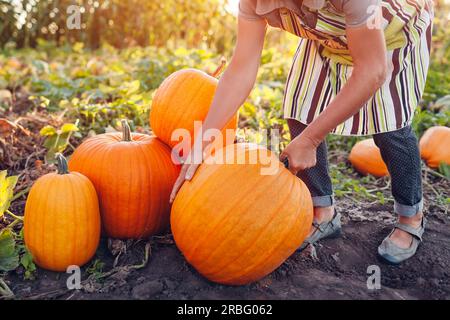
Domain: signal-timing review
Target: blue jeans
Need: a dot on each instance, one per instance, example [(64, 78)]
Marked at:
[(400, 152)]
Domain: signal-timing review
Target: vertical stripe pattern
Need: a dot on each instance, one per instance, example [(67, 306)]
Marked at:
[(322, 67)]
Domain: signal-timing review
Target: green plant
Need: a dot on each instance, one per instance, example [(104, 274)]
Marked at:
[(426, 118), (9, 256), (347, 185), (7, 185), (13, 253), (57, 140), (444, 169), (96, 269)]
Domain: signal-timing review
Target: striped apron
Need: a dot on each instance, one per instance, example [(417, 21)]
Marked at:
[(322, 65)]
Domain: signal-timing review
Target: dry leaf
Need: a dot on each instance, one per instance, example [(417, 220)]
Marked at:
[(6, 127)]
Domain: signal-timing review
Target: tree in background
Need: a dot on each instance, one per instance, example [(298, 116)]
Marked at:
[(121, 23)]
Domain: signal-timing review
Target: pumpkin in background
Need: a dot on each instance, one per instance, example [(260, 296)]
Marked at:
[(133, 175), (236, 225), (366, 158), (14, 63), (62, 219), (183, 98), (435, 146)]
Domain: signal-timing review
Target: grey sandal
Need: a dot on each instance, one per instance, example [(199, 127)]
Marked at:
[(393, 254), (329, 229)]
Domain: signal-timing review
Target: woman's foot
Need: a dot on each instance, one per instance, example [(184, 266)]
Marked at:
[(326, 224), (402, 243), (322, 215)]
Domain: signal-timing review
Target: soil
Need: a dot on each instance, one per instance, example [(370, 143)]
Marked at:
[(337, 270), (334, 269)]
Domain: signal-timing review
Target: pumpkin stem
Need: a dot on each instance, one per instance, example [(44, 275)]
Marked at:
[(220, 68), (126, 131), (63, 168)]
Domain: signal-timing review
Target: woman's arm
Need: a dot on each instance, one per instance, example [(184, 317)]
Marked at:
[(239, 78), (368, 50), (233, 89)]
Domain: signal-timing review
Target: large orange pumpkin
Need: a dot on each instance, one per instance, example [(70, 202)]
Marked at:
[(183, 98), (435, 146), (133, 175), (62, 219), (366, 158), (236, 225)]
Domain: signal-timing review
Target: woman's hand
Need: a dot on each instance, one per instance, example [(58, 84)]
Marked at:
[(301, 153), (188, 170), (187, 173)]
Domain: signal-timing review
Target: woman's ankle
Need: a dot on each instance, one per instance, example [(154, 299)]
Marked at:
[(414, 221), (323, 214)]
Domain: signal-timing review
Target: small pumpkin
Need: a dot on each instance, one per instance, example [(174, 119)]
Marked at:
[(435, 146), (366, 158), (236, 223), (62, 219), (14, 63), (133, 175), (183, 98)]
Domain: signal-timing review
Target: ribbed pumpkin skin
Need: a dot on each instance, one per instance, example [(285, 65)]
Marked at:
[(133, 181), (62, 221), (183, 98), (235, 225), (366, 158), (435, 146)]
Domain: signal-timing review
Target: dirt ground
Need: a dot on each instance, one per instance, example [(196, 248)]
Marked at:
[(337, 271)]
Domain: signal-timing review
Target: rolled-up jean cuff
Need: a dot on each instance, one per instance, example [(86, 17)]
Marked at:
[(408, 211), (323, 201)]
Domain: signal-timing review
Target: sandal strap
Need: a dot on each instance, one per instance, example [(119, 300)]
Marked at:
[(416, 232), (320, 226)]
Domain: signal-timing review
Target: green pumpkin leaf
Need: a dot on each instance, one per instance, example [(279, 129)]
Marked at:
[(69, 127), (50, 156), (27, 262), (41, 66), (9, 257), (47, 131), (7, 185), (133, 87), (105, 89), (44, 102), (78, 47), (50, 142), (444, 169)]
